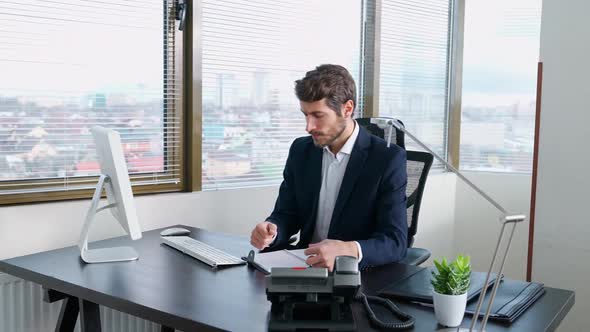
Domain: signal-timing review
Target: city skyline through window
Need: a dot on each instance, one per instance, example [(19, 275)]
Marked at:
[(69, 66), (501, 51), (253, 51)]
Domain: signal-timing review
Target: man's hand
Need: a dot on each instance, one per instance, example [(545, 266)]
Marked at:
[(324, 253), (263, 235)]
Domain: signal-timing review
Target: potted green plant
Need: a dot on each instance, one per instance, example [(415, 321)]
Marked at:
[(450, 282)]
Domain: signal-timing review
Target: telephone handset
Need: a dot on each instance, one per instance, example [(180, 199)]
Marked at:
[(312, 298)]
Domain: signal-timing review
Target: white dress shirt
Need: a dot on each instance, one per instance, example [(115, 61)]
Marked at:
[(333, 169)]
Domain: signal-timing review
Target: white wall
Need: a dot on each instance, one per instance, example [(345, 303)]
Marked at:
[(477, 225), (55, 225), (561, 244), (437, 216)]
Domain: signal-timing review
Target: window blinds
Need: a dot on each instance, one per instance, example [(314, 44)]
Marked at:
[(414, 73), (69, 65), (253, 51)]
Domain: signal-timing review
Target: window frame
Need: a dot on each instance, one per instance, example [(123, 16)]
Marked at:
[(455, 82), (192, 76)]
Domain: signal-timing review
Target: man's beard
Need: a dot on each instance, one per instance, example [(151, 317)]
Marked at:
[(333, 138)]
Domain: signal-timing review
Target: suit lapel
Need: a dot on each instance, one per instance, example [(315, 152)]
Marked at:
[(353, 170), (314, 183), (315, 171)]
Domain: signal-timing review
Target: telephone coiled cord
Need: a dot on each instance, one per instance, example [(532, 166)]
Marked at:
[(407, 320)]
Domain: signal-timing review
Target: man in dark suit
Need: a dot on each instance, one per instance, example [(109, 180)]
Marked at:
[(343, 188)]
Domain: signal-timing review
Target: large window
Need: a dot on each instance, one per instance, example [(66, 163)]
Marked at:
[(68, 65), (414, 60), (253, 51), (501, 51)]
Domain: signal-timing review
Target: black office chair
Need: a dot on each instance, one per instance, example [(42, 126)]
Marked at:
[(418, 166)]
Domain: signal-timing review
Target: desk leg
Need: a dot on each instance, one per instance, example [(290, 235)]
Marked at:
[(89, 316), (68, 315), (166, 329)]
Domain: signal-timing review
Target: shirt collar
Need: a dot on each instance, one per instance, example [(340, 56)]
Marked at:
[(347, 147)]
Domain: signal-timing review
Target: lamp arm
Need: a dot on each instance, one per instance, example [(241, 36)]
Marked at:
[(395, 123)]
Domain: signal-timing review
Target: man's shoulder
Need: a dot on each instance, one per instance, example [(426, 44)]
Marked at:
[(301, 144)]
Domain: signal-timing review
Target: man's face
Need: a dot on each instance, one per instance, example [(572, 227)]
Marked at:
[(323, 124)]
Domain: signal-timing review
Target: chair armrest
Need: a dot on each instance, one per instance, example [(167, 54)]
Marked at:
[(416, 256)]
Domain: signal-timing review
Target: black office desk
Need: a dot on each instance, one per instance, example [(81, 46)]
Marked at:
[(178, 291)]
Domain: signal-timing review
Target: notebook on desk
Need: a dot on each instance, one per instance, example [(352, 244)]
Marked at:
[(281, 258), (417, 287)]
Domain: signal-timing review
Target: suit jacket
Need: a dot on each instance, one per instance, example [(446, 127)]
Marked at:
[(371, 203)]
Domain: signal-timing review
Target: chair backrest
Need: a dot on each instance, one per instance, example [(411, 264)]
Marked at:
[(418, 166)]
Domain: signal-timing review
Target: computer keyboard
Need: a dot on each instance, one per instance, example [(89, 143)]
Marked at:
[(201, 251)]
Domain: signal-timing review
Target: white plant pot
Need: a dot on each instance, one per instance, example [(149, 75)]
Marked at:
[(449, 309)]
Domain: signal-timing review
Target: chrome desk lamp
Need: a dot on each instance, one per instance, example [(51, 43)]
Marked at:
[(505, 219)]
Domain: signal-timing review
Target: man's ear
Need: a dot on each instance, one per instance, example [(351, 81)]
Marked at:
[(348, 109)]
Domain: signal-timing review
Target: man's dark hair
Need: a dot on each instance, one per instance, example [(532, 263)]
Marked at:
[(332, 82)]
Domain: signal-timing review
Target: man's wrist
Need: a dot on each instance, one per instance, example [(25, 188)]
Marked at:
[(274, 237), (353, 249), (359, 250)]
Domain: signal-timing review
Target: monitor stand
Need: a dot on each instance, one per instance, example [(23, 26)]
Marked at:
[(102, 255)]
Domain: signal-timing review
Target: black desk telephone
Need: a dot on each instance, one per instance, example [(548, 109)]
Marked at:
[(312, 299)]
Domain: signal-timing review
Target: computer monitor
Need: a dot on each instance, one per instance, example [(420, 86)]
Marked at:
[(114, 178)]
